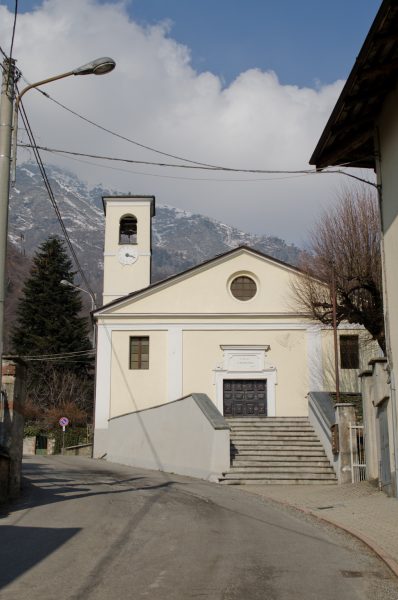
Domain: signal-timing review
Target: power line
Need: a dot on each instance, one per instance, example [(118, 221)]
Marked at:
[(172, 165), (13, 28), (50, 192), (205, 168), (176, 177), (118, 135), (75, 354)]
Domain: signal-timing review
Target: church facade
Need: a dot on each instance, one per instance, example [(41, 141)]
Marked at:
[(226, 328)]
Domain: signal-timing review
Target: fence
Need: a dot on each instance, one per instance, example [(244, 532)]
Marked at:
[(357, 450)]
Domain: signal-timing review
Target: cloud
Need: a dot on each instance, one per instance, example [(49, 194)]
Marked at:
[(156, 97)]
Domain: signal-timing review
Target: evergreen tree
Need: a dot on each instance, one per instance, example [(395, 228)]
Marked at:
[(48, 323)]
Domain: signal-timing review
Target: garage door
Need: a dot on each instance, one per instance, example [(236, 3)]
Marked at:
[(245, 397)]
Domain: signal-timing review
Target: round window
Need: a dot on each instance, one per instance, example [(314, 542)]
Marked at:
[(243, 288)]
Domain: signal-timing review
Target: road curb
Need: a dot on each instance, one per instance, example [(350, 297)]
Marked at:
[(391, 563)]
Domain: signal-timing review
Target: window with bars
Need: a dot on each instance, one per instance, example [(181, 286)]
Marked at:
[(243, 288), (139, 352), (349, 352)]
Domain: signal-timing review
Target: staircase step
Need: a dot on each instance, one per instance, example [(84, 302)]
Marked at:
[(277, 482), (276, 450), (275, 476), (281, 444), (282, 469), (275, 439), (282, 452), (268, 425), (278, 463)]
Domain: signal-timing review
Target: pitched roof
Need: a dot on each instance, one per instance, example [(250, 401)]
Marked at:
[(348, 135), (175, 278)]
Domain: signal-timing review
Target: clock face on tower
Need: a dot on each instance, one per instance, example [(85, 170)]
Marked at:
[(127, 255)]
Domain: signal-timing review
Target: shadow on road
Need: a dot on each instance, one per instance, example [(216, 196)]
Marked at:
[(24, 547), (42, 485)]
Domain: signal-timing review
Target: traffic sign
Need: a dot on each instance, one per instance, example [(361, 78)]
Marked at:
[(64, 421)]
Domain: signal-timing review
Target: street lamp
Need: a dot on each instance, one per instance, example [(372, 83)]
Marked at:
[(100, 66), (67, 283)]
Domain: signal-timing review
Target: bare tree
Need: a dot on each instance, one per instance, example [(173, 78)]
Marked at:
[(345, 253), (60, 393)]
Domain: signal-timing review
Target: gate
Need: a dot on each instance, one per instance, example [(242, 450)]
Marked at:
[(357, 450), (385, 470)]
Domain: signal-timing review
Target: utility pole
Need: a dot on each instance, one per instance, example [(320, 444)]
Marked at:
[(6, 112), (99, 66)]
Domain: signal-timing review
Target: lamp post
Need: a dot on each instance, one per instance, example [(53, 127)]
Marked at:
[(100, 66), (67, 283)]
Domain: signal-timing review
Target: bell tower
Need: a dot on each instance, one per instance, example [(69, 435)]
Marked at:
[(128, 244)]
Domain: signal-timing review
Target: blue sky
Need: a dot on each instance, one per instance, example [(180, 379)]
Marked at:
[(305, 42), (245, 84)]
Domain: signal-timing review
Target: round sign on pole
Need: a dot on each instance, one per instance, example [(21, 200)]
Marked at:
[(64, 421)]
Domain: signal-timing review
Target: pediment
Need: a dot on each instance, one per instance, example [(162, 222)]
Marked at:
[(206, 289)]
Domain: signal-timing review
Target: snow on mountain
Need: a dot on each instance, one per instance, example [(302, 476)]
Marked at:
[(181, 239)]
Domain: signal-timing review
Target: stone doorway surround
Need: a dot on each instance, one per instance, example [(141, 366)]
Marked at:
[(246, 362)]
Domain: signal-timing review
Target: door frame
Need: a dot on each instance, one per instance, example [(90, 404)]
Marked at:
[(269, 374), (246, 362)]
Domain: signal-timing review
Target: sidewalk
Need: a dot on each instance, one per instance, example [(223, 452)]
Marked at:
[(358, 508)]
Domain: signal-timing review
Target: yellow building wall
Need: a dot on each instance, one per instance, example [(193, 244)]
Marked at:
[(208, 291), (349, 378), (132, 389), (288, 353)]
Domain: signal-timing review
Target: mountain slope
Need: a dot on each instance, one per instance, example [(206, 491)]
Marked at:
[(180, 239)]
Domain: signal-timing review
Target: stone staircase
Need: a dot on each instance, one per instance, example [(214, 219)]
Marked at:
[(276, 450)]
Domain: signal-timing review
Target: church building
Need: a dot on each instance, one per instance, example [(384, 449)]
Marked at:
[(225, 330)]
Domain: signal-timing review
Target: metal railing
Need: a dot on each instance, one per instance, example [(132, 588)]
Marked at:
[(358, 455)]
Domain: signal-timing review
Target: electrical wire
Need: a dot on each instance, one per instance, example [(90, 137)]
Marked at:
[(172, 165), (132, 172), (50, 192), (77, 354), (118, 135), (13, 29), (214, 169), (80, 356), (199, 164), (55, 360)]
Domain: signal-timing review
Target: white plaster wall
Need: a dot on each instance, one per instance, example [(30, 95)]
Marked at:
[(176, 438), (387, 135)]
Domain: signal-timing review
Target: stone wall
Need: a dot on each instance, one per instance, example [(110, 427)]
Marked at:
[(13, 394), (379, 425)]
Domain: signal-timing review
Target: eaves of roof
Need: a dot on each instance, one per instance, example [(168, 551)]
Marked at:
[(348, 137)]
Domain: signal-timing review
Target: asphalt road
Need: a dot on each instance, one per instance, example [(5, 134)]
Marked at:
[(89, 530)]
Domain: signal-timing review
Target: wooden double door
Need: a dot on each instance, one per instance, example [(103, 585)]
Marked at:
[(245, 397)]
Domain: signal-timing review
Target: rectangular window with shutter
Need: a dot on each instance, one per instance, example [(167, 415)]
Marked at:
[(139, 352), (349, 352)]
